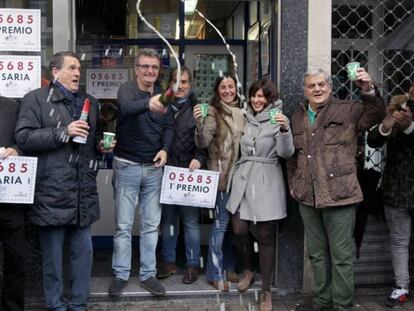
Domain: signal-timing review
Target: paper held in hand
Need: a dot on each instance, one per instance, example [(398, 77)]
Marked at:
[(17, 180), (182, 187)]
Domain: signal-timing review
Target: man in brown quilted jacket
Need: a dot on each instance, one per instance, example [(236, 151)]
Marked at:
[(323, 179)]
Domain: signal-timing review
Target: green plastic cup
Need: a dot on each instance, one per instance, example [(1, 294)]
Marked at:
[(272, 113), (108, 138), (204, 110), (351, 68)]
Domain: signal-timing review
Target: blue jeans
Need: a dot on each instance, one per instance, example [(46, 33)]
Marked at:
[(80, 266), (169, 228), (216, 264), (133, 181)]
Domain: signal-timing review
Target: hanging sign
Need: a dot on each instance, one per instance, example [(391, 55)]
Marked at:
[(182, 187), (17, 179), (104, 83), (20, 30), (19, 75)]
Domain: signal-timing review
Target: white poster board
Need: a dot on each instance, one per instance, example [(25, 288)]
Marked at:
[(104, 83), (20, 30), (182, 187), (19, 75), (17, 179)]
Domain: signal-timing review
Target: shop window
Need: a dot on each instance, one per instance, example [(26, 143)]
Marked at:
[(101, 19), (253, 16), (227, 16), (206, 69), (163, 16), (118, 19), (265, 11)]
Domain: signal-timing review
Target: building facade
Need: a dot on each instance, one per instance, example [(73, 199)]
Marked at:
[(273, 38)]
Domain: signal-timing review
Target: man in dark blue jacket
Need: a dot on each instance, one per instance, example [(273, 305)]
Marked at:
[(11, 219), (144, 136), (184, 153), (66, 198)]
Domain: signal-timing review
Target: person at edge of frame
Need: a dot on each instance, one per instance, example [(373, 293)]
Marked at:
[(397, 132), (12, 226)]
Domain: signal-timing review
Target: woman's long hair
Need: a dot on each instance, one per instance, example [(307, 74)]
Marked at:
[(218, 105)]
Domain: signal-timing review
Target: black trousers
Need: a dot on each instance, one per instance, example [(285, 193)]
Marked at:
[(12, 235)]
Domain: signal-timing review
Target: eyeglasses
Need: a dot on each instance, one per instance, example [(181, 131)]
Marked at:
[(147, 67), (320, 85)]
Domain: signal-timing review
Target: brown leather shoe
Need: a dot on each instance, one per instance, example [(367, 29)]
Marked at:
[(232, 276), (266, 301), (246, 280), (221, 285), (191, 275), (165, 269)]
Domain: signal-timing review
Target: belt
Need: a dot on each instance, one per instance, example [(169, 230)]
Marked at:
[(245, 159)]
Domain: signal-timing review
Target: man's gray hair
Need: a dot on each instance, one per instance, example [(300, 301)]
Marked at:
[(149, 53), (316, 71)]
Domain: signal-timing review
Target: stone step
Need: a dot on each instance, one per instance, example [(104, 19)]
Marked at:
[(173, 285)]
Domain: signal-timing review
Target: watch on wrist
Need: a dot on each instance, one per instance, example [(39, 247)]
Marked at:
[(371, 90)]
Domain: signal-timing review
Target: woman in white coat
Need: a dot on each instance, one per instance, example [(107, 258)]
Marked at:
[(257, 187)]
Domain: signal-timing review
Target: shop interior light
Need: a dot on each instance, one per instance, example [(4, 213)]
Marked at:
[(190, 6)]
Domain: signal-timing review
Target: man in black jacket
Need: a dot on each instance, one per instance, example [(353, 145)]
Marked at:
[(184, 153), (66, 198), (397, 131), (144, 136), (11, 219)]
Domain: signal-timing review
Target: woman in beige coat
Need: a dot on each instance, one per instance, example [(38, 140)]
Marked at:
[(220, 133)]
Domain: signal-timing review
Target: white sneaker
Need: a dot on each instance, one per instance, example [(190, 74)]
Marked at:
[(398, 297)]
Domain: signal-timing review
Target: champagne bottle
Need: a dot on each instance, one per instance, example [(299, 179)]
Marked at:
[(83, 117), (167, 97)]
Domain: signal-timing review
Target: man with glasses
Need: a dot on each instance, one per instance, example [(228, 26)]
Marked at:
[(323, 179), (144, 136)]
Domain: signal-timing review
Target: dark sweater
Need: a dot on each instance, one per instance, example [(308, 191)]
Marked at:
[(8, 116), (140, 133), (184, 148), (398, 179)]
